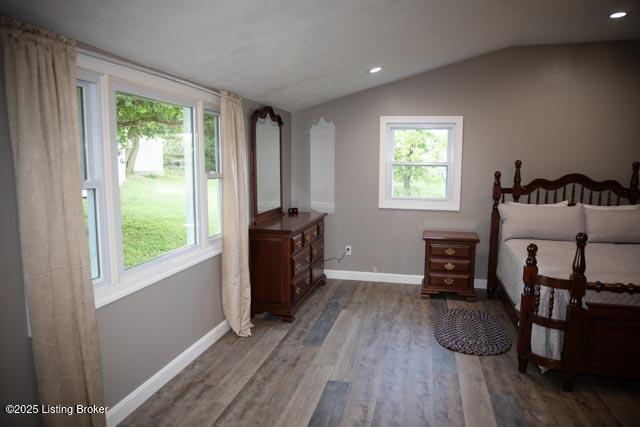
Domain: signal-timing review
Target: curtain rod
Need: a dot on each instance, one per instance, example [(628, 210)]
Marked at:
[(92, 52)]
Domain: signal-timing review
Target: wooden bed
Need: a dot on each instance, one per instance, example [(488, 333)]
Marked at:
[(599, 339)]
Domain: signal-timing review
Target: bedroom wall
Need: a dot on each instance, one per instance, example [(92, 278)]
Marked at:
[(140, 333), (559, 109), (16, 361)]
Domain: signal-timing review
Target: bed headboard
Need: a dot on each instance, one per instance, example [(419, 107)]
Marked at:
[(574, 187)]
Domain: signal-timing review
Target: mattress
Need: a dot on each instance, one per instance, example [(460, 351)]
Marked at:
[(606, 262)]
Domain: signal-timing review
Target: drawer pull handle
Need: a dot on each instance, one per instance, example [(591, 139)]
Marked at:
[(307, 258), (450, 251), (315, 234), (298, 265), (449, 266), (298, 243), (307, 281), (297, 290), (448, 281)]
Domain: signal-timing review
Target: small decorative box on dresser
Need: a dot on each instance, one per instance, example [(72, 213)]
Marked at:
[(286, 257), (449, 262)]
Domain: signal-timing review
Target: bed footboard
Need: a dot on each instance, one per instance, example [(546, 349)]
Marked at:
[(599, 339)]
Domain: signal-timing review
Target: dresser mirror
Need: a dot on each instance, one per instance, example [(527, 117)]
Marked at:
[(266, 148)]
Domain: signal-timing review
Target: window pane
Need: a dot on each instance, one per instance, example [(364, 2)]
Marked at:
[(91, 228), (420, 145), (83, 131), (211, 143), (155, 173), (214, 188), (419, 182)]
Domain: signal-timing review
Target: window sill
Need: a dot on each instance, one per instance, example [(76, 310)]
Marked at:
[(107, 293), (421, 205)]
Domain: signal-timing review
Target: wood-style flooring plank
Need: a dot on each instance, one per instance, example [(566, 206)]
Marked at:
[(363, 353), (300, 407), (448, 409), (331, 405), (476, 402)]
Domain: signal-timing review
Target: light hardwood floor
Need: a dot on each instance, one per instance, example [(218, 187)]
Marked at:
[(362, 353)]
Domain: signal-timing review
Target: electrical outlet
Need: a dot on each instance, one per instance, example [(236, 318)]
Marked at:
[(347, 249)]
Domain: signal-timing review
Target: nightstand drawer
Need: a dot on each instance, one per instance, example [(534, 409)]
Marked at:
[(454, 250), (450, 280), (452, 266)]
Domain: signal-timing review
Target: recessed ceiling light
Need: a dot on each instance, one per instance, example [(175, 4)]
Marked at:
[(374, 70), (616, 15)]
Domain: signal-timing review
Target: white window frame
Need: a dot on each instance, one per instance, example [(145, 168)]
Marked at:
[(91, 90), (454, 162), (116, 282), (206, 176)]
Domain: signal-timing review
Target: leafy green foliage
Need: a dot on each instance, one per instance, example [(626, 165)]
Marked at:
[(211, 123), (419, 146), (141, 117)]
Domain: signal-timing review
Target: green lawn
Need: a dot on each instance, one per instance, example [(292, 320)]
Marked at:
[(154, 216)]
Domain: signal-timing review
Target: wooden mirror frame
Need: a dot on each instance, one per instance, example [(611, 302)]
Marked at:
[(262, 113)]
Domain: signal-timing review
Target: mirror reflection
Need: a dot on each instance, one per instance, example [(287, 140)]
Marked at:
[(267, 164)]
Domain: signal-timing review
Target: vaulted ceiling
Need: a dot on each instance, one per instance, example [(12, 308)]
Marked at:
[(297, 53)]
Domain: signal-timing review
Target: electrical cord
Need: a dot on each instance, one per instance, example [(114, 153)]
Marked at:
[(337, 259)]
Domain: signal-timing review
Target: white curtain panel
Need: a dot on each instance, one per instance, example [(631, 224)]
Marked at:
[(40, 70), (236, 288)]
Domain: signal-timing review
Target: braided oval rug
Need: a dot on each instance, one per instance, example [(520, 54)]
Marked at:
[(470, 332)]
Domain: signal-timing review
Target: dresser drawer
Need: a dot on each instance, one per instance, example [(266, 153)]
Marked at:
[(453, 250), (450, 280), (452, 266), (300, 285), (300, 261), (297, 242), (317, 270), (317, 249), (310, 235)]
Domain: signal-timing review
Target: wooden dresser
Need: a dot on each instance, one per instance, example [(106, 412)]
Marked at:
[(286, 259), (449, 262)]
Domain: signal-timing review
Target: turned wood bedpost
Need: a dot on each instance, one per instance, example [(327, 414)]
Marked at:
[(634, 191), (517, 179), (527, 306), (493, 237), (575, 314)]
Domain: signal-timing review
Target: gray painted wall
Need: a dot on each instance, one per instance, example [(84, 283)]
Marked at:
[(559, 109), (140, 333), (16, 361)]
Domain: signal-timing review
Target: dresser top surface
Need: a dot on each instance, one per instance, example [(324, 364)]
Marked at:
[(288, 223), (463, 236)]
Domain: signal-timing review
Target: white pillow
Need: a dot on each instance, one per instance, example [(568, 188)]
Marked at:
[(611, 208), (613, 226), (563, 203), (541, 222)]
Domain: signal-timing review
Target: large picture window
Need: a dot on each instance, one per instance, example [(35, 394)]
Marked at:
[(420, 162), (151, 175), (155, 177)]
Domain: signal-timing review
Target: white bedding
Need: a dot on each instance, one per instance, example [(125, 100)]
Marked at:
[(607, 262)]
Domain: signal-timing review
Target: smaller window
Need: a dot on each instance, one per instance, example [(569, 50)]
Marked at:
[(91, 183), (420, 163), (212, 171)]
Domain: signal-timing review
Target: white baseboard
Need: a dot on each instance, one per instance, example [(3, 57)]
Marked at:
[(138, 396), (370, 276)]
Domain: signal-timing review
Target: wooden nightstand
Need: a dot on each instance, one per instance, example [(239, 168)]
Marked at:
[(449, 262)]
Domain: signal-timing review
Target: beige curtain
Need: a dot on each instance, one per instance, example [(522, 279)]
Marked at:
[(236, 289), (40, 75)]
